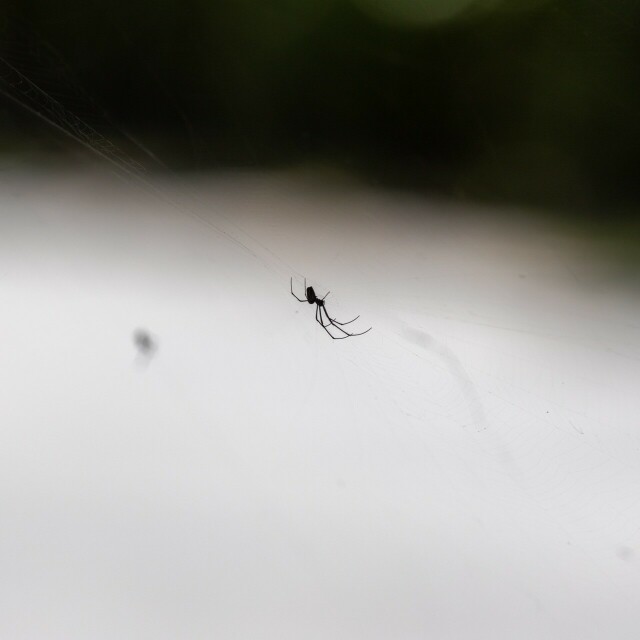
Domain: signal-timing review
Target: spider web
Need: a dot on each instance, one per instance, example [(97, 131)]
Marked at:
[(491, 413), (45, 103)]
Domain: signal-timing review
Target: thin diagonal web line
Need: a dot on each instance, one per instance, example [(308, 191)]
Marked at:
[(37, 101)]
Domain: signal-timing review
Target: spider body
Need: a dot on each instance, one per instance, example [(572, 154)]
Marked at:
[(312, 298)]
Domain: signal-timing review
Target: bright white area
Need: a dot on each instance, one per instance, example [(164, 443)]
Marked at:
[(470, 468)]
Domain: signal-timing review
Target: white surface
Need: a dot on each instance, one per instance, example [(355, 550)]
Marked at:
[(468, 469)]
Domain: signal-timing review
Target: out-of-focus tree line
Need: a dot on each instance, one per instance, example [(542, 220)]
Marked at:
[(529, 101)]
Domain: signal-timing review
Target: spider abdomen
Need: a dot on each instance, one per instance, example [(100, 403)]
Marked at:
[(311, 295)]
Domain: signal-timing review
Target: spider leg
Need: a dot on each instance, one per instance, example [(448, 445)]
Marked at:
[(325, 326), (335, 323), (294, 295), (361, 333), (319, 317), (319, 320), (329, 322), (335, 326)]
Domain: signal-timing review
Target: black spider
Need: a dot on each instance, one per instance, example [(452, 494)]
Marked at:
[(311, 297)]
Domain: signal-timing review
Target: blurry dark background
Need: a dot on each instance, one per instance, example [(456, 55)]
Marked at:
[(533, 102)]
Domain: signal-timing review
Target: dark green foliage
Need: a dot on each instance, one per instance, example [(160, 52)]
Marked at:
[(537, 106)]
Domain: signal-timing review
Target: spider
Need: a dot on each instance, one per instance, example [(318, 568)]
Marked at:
[(311, 297)]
